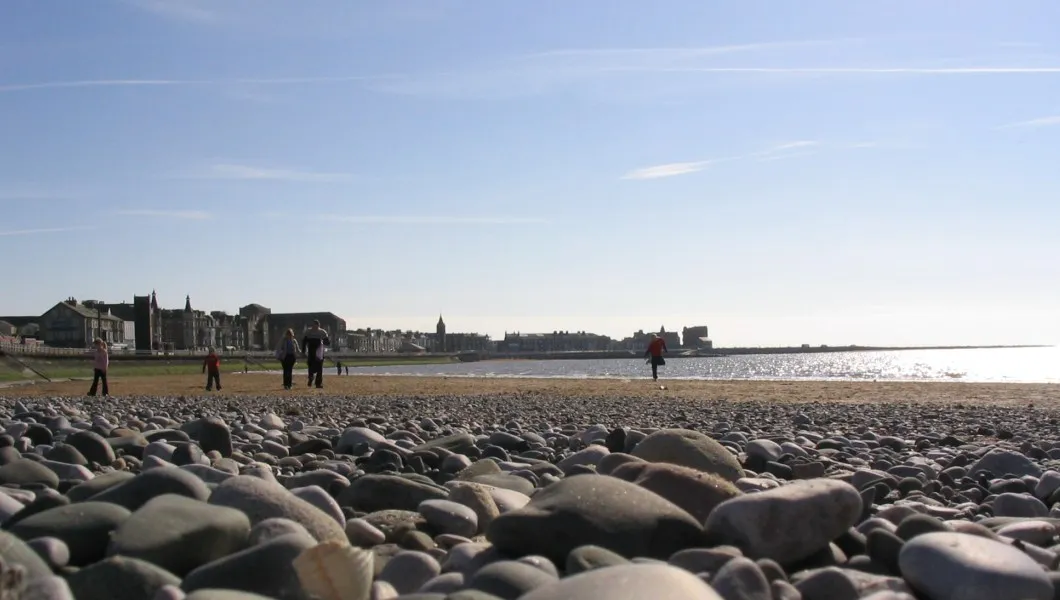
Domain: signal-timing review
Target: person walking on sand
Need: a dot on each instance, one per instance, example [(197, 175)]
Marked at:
[(287, 354), (655, 354), (212, 363), (100, 363), (313, 347)]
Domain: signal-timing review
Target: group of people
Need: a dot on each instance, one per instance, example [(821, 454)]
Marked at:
[(312, 348), (287, 351), (313, 343)]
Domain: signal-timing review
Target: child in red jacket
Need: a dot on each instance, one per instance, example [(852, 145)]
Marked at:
[(213, 365)]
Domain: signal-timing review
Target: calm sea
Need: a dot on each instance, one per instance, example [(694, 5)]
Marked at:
[(1012, 365)]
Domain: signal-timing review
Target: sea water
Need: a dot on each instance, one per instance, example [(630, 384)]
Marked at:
[(1003, 365)]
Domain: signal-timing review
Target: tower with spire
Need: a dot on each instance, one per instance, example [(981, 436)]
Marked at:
[(439, 332), (156, 323)]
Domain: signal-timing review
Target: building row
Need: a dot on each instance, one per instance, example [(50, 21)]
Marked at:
[(377, 341), (146, 327)]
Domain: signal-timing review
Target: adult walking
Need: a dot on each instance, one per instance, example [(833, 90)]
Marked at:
[(100, 364), (313, 344), (655, 354), (287, 354)]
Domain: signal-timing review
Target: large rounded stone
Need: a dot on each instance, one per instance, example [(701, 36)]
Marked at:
[(14, 551), (408, 570), (179, 533), (99, 483), (260, 499), (959, 566), (66, 453), (92, 446), (355, 436), (447, 516), (1005, 462), (627, 582), (510, 579), (741, 578), (139, 490), (84, 527), (787, 523), (594, 509), (690, 449), (476, 497), (212, 433), (120, 578), (223, 594), (695, 491), (266, 569), (320, 498), (24, 471), (370, 493)]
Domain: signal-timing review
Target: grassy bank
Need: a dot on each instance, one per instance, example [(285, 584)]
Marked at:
[(66, 368)]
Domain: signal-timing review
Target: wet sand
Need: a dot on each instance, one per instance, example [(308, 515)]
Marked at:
[(1041, 395)]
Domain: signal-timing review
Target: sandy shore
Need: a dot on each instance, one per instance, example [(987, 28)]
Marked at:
[(1042, 395)]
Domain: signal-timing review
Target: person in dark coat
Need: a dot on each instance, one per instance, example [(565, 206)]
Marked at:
[(313, 344)]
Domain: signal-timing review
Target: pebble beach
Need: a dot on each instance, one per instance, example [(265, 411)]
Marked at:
[(466, 488)]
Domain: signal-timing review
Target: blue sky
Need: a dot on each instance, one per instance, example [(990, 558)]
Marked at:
[(785, 172)]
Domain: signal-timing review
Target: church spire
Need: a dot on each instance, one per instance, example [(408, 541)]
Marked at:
[(187, 303), (154, 301), (441, 323)]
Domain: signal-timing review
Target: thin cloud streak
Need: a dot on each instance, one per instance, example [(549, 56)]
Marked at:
[(852, 70), (669, 170), (175, 9), (429, 220), (41, 231), (249, 173), (1052, 121), (184, 215), (483, 82), (93, 83), (398, 82), (684, 168), (682, 52)]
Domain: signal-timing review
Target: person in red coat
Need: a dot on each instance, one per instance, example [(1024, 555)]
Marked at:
[(212, 366), (655, 354)]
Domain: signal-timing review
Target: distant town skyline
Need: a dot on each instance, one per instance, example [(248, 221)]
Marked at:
[(718, 329), (831, 172)]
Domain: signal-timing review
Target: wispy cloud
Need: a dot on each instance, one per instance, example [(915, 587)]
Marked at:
[(668, 170), (187, 215), (105, 83), (677, 54), (1021, 45), (1015, 70), (15, 232), (429, 220), (185, 10), (539, 72), (26, 196), (1051, 121), (684, 168), (251, 173)]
